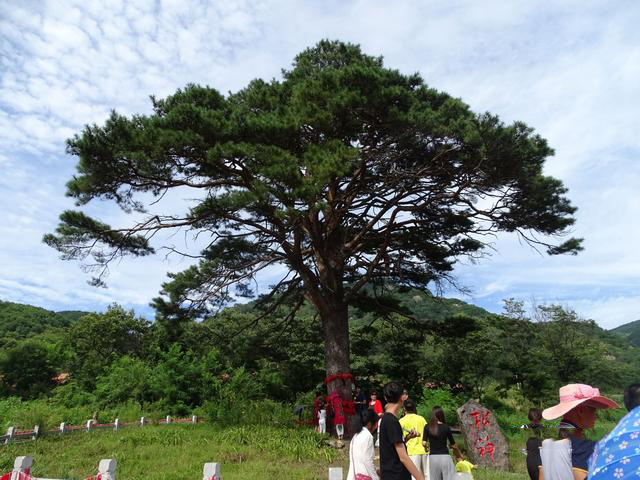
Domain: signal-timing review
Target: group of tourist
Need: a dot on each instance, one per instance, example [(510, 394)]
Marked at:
[(411, 447), (403, 442)]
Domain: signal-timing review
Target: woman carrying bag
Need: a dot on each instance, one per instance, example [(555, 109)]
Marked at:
[(361, 450)]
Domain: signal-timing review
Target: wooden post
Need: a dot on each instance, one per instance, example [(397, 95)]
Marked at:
[(9, 436), (21, 466), (335, 473), (211, 471), (107, 469)]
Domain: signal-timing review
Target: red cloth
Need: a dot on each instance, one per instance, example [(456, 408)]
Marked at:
[(349, 407), (377, 407), (338, 412)]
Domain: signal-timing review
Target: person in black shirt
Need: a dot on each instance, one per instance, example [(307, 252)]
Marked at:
[(395, 463), (360, 400), (437, 432), (534, 443), (632, 396)]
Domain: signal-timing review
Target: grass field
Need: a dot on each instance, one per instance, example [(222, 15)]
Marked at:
[(179, 451)]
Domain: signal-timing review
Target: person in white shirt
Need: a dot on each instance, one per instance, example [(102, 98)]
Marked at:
[(322, 420), (361, 450)]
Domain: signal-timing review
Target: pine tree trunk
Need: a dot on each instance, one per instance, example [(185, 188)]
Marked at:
[(337, 358), (335, 323)]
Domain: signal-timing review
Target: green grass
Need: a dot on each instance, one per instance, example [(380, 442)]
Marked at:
[(247, 453), (180, 451)]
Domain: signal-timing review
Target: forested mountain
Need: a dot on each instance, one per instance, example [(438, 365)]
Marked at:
[(631, 331), (19, 321)]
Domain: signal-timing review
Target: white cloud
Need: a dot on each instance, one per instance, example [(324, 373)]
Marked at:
[(569, 69)]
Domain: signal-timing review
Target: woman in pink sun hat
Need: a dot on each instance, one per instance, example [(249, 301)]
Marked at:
[(577, 408)]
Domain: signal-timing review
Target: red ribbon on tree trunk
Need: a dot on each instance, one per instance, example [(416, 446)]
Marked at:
[(338, 376)]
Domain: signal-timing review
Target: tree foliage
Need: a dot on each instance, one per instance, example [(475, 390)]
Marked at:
[(344, 172)]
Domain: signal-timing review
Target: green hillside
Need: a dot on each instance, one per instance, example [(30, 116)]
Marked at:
[(19, 321), (631, 331)]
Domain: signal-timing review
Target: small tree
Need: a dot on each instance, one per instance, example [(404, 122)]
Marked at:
[(345, 173)]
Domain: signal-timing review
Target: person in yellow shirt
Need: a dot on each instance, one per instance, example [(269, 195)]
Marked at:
[(412, 422), (463, 468)]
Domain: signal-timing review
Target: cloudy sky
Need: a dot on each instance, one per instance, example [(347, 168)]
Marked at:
[(570, 69)]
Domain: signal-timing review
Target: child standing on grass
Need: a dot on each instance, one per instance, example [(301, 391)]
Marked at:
[(463, 468)]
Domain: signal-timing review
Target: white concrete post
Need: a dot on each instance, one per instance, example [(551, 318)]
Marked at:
[(116, 423), (168, 419), (62, 427), (10, 432), (36, 432), (211, 471), (142, 421), (22, 465), (194, 419), (89, 423), (107, 469), (335, 473)]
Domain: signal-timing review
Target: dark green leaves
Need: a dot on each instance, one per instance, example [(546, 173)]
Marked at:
[(342, 171), (77, 233)]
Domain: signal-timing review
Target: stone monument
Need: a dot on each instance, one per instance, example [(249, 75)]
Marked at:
[(486, 445)]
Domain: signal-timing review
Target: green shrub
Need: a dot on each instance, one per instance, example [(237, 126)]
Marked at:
[(442, 397)]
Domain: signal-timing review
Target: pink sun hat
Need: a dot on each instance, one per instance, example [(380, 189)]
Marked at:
[(576, 394)]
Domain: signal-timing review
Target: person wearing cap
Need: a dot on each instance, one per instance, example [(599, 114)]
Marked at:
[(577, 408)]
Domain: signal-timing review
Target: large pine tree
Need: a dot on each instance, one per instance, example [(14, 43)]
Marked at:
[(344, 172)]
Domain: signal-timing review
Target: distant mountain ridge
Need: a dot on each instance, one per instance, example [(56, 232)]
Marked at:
[(19, 321), (631, 331)]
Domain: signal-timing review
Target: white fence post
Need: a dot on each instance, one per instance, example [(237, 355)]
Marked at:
[(62, 427), (194, 419), (335, 473), (36, 432), (211, 471), (89, 423), (142, 421), (9, 436), (116, 424), (168, 419), (107, 469), (20, 467)]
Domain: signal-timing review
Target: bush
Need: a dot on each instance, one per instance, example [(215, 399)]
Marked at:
[(442, 397), (27, 414)]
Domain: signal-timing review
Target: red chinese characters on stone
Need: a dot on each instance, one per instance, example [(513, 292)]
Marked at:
[(481, 418), (486, 447)]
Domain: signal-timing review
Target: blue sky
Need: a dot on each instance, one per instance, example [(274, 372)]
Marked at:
[(570, 69)]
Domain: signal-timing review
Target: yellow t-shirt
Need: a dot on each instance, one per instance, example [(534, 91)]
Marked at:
[(464, 466), (409, 422)]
